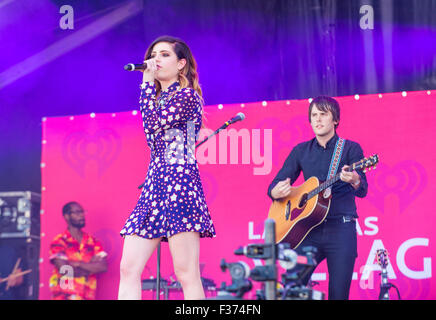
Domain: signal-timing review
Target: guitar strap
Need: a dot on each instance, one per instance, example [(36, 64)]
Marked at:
[(336, 157)]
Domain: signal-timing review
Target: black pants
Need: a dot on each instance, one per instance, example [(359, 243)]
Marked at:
[(335, 241)]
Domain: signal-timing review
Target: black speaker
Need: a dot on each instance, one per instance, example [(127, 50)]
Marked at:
[(20, 214), (26, 251)]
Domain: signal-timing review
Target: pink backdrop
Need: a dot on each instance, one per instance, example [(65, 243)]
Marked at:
[(100, 159)]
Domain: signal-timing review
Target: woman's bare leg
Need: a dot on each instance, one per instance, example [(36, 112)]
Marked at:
[(136, 252), (185, 251)]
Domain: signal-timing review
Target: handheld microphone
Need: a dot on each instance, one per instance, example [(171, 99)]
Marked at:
[(134, 67)]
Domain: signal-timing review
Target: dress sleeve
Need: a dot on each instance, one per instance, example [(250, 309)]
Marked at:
[(181, 107), (148, 107)]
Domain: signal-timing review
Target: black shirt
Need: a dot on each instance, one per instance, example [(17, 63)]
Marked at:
[(314, 160)]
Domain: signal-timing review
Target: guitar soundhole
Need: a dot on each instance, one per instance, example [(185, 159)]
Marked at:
[(303, 200), (288, 209)]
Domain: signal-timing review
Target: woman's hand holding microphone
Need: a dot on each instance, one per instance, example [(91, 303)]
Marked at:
[(148, 74)]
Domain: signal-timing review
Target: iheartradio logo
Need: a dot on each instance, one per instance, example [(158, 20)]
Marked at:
[(100, 149), (401, 183)]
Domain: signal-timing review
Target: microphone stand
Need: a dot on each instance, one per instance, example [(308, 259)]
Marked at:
[(270, 238), (158, 273), (224, 126)]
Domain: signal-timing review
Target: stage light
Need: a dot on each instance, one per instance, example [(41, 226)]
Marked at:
[(71, 118), (42, 165), (356, 96), (242, 105), (404, 94), (134, 112), (264, 103), (428, 92), (220, 106), (92, 115), (310, 100), (380, 95)]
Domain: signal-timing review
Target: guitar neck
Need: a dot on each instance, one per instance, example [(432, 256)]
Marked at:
[(384, 275), (324, 185), (362, 164)]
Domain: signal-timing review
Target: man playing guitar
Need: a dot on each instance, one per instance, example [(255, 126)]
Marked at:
[(335, 238)]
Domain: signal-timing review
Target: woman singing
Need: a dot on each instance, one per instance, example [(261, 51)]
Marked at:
[(172, 205)]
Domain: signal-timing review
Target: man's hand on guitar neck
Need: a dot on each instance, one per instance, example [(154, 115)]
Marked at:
[(352, 177), (282, 189)]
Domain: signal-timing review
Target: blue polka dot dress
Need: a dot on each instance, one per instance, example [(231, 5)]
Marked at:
[(172, 199)]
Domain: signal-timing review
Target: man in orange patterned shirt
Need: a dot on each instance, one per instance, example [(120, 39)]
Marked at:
[(77, 257)]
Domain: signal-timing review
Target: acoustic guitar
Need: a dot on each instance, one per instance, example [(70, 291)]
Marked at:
[(296, 215)]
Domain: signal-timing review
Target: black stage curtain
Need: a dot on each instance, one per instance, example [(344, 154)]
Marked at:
[(294, 49)]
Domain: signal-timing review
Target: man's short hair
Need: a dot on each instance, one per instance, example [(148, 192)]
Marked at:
[(325, 104), (66, 209)]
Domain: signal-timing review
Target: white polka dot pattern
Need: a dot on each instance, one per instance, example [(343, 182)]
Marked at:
[(172, 199)]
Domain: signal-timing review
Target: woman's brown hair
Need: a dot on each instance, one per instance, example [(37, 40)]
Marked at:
[(188, 76)]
